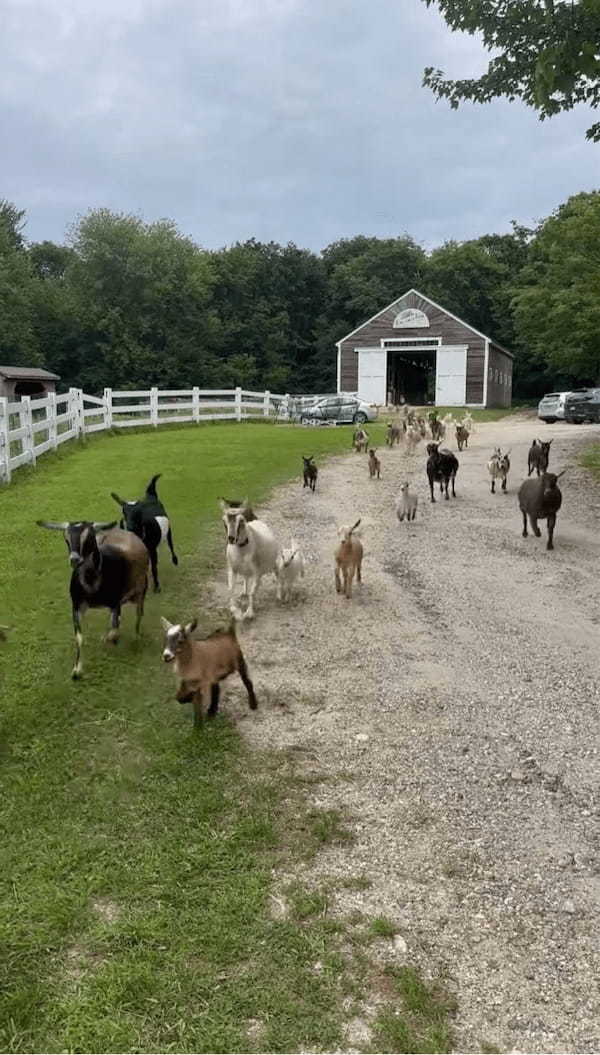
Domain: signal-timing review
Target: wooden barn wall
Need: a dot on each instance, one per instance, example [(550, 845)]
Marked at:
[(440, 325), (499, 393)]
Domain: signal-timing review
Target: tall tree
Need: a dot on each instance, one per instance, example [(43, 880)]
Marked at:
[(549, 53), (18, 345)]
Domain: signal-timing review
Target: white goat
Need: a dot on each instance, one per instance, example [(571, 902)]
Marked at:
[(251, 553), (406, 503), (498, 468), (448, 424), (290, 568), (413, 438), (468, 423)]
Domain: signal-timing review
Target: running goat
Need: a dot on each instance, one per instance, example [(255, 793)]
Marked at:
[(251, 553), (374, 465), (147, 518), (201, 665), (406, 504), (310, 472), (442, 466), (109, 569), (393, 435), (498, 468), (462, 437), (541, 499), (360, 440), (538, 457), (348, 560), (290, 568)]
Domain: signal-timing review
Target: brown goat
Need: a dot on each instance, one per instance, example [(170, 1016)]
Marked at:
[(348, 560), (462, 437), (374, 465), (201, 665)]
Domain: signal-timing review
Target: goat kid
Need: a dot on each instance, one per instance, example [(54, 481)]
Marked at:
[(442, 466), (201, 665), (406, 504), (498, 468), (309, 472), (462, 437), (147, 518), (251, 553), (290, 568), (394, 432), (541, 499), (374, 465), (348, 560), (360, 440), (108, 571), (538, 457), (413, 439)]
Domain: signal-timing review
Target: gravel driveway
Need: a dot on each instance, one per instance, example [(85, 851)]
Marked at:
[(458, 695)]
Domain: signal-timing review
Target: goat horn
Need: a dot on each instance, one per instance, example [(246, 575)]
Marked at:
[(104, 525), (166, 625), (118, 500), (562, 473), (52, 525), (354, 526)]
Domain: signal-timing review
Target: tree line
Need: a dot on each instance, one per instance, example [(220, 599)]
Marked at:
[(132, 304)]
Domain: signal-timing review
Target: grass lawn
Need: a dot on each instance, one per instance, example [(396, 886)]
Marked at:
[(137, 855), (590, 458)]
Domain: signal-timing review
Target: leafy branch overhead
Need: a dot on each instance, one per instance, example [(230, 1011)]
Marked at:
[(545, 52)]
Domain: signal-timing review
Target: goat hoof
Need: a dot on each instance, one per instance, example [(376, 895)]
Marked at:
[(175, 559), (538, 533), (157, 588), (549, 546), (76, 674), (524, 534)]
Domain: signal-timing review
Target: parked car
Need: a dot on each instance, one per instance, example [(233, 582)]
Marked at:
[(342, 409), (551, 407), (583, 406)]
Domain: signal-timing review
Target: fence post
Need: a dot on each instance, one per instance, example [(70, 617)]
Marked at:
[(108, 418), (266, 404), (4, 442), (51, 415), (238, 404), (196, 403), (154, 406), (27, 440)]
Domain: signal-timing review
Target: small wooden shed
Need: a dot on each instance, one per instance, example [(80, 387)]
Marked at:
[(17, 381), (417, 351)]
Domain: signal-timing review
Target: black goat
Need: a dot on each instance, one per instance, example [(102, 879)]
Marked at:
[(540, 499), (442, 466), (148, 519), (309, 472), (108, 572), (538, 457)]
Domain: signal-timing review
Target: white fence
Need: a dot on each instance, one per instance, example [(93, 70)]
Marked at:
[(30, 427)]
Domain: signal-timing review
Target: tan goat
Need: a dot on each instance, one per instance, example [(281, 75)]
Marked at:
[(374, 465), (201, 665), (348, 560)]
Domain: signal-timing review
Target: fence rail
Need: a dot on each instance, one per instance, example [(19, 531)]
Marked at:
[(31, 427)]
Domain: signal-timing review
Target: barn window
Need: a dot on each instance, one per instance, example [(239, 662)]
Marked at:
[(490, 374)]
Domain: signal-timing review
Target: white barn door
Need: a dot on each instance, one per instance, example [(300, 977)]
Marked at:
[(451, 376), (372, 375)]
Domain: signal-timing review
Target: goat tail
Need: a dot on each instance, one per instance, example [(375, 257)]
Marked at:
[(151, 488)]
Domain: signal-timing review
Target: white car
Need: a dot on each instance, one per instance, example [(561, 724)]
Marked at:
[(552, 406)]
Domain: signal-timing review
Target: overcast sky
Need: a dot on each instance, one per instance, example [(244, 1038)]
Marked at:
[(291, 120)]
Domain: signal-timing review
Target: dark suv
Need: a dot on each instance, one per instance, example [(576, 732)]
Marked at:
[(583, 406)]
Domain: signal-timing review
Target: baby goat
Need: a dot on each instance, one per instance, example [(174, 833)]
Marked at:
[(290, 568), (201, 665), (360, 440), (348, 560), (374, 465), (406, 504), (393, 434), (310, 472), (462, 437), (498, 468), (538, 457)]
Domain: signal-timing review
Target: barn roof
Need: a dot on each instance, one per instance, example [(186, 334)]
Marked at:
[(434, 305), (27, 373)]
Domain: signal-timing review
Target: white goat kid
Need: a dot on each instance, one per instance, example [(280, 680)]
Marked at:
[(251, 553), (290, 568), (406, 503)]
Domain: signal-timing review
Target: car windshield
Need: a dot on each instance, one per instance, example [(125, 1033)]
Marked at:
[(552, 395)]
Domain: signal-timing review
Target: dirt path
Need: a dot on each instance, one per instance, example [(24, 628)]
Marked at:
[(459, 692)]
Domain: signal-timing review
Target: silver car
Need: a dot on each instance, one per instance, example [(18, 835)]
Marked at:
[(552, 406), (343, 409)]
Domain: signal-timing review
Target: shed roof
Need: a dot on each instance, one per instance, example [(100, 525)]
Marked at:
[(27, 373), (434, 305)]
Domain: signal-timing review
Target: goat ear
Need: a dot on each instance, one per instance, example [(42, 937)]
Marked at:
[(550, 441), (223, 504), (166, 625), (118, 500), (104, 525), (558, 475), (52, 525), (189, 629)]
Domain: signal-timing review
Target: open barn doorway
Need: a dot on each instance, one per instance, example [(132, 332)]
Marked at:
[(29, 388), (411, 376)]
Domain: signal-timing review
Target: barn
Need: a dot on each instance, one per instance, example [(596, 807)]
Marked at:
[(418, 351)]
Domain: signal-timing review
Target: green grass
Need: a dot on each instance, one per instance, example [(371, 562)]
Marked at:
[(138, 855), (590, 459), (477, 415), (417, 1018), (380, 927)]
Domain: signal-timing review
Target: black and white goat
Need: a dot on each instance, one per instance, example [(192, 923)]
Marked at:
[(498, 468), (148, 519), (442, 466), (109, 569)]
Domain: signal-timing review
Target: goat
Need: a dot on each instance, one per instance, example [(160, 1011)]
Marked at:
[(374, 465), (310, 472), (147, 518), (393, 435), (348, 560), (406, 504), (251, 553), (108, 571), (468, 423), (540, 499), (448, 423), (498, 468), (538, 457), (422, 427), (290, 567), (462, 437), (413, 438), (442, 466), (360, 440), (201, 665), (436, 427)]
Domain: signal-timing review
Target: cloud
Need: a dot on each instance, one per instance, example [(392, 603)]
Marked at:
[(282, 119)]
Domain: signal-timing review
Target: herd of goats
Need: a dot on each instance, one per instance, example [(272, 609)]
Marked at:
[(110, 561)]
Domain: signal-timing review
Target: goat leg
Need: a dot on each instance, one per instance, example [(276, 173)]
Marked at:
[(534, 525), (551, 523), (493, 486), (348, 576), (504, 485), (359, 571), (251, 588), (139, 609), (115, 620), (243, 672), (524, 523), (214, 700), (338, 581), (174, 557), (453, 478), (198, 708), (431, 487), (154, 566), (77, 669)]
